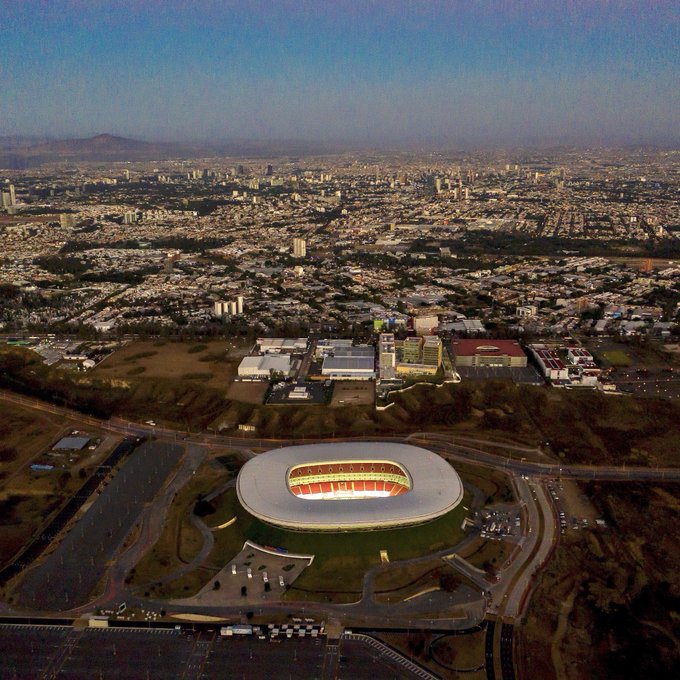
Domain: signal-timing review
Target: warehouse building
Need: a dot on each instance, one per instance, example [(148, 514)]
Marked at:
[(264, 367)]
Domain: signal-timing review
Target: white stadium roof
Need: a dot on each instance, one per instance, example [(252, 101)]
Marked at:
[(263, 489)]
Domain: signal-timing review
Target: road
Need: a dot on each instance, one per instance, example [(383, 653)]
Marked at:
[(474, 454)]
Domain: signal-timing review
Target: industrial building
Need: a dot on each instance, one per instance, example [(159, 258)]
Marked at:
[(328, 347), (506, 353), (342, 361), (549, 363), (72, 443), (229, 307), (264, 367), (282, 345), (348, 368)]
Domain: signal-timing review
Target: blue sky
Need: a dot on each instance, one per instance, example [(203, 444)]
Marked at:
[(475, 73)]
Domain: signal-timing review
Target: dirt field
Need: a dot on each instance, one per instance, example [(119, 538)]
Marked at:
[(353, 393), (247, 392), (211, 363), (24, 434)]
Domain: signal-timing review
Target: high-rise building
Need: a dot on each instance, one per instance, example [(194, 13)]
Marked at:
[(411, 350), (387, 356), (432, 351), (299, 247), (8, 198), (270, 171), (67, 220), (229, 307)]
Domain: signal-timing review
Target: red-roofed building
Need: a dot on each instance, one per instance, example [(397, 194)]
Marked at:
[(487, 352)]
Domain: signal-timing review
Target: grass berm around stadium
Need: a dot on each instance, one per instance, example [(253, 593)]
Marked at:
[(342, 558)]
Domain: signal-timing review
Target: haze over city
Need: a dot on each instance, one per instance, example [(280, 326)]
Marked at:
[(380, 73)]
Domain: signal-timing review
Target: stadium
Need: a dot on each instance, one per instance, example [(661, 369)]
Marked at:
[(348, 486)]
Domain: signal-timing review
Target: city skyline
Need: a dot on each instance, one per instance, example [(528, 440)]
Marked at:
[(375, 74)]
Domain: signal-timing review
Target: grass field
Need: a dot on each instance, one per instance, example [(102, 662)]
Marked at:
[(248, 392), (460, 651), (574, 426), (395, 583), (341, 559), (212, 363), (617, 358), (488, 555), (25, 433)]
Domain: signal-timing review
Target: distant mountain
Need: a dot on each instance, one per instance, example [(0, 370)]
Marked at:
[(19, 153), (99, 148), (16, 141)]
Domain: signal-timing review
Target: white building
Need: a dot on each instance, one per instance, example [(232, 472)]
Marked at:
[(424, 325), (282, 345), (526, 311), (263, 367)]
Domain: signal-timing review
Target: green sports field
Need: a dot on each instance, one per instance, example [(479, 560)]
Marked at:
[(617, 357)]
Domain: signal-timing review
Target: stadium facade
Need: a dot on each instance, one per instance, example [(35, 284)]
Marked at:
[(348, 486)]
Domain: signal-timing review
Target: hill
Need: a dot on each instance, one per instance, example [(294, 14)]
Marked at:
[(22, 152)]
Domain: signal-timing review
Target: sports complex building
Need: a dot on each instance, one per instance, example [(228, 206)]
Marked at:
[(348, 486)]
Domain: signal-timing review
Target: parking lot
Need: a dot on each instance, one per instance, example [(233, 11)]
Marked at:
[(650, 382), (123, 654), (520, 376), (68, 575)]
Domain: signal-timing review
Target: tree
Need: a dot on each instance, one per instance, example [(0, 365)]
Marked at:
[(216, 585), (244, 591)]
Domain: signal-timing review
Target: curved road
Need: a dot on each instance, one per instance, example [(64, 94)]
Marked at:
[(472, 453)]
